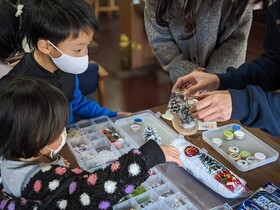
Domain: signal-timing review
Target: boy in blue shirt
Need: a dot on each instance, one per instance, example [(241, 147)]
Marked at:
[(60, 32)]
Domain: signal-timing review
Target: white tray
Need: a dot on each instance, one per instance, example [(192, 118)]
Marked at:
[(250, 143), (149, 119)]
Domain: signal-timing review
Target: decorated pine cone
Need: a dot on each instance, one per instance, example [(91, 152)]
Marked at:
[(151, 133)]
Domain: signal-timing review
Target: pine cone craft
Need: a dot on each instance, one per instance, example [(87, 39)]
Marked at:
[(150, 133)]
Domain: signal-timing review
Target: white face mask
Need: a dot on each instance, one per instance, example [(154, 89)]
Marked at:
[(70, 64), (63, 142)]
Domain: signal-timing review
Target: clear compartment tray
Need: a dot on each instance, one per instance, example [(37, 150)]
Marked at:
[(160, 194), (158, 187), (149, 119), (250, 143), (92, 147)]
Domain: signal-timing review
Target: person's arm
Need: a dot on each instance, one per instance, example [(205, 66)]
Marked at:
[(256, 108), (85, 108), (231, 51), (265, 70), (164, 47), (103, 187)]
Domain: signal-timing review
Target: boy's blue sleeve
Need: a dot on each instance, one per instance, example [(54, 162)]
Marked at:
[(84, 108)]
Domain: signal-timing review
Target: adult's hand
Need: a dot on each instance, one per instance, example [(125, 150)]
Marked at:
[(197, 81), (212, 106)]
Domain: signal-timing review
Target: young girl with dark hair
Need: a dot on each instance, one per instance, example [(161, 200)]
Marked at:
[(33, 115), (186, 34)]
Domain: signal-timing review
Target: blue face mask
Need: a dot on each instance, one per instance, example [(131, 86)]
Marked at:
[(70, 64)]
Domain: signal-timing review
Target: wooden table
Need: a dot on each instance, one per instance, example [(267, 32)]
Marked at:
[(188, 184)]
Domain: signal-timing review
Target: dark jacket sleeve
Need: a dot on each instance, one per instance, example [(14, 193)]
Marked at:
[(251, 84), (97, 190), (265, 70)]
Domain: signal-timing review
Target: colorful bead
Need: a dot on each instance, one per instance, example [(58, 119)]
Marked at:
[(235, 156), (239, 135), (176, 204), (244, 154), (233, 149), (146, 203), (217, 141), (251, 159), (235, 128), (135, 128), (242, 162), (259, 156), (228, 135), (138, 121)]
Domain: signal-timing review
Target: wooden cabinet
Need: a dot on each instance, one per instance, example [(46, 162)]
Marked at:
[(132, 25)]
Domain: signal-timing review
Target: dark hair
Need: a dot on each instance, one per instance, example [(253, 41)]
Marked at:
[(191, 9), (10, 41), (56, 20), (32, 115)]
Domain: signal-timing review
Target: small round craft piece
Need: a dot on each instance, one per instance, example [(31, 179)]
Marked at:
[(242, 163), (251, 159), (239, 135), (138, 121), (228, 135), (217, 141), (233, 149), (259, 156), (235, 128), (135, 128), (234, 156), (244, 154)]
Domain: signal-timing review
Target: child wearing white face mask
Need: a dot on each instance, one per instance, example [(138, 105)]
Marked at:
[(33, 115), (60, 41)]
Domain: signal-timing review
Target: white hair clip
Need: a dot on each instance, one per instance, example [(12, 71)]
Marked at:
[(19, 10)]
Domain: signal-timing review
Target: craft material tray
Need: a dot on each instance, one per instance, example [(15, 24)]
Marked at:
[(93, 146), (160, 194), (250, 143), (180, 184), (148, 119)]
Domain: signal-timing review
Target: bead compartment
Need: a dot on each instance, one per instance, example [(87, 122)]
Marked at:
[(97, 142)]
